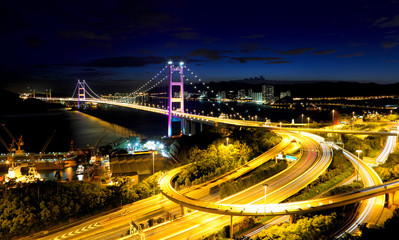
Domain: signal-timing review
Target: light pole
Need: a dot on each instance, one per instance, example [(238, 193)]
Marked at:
[(308, 121), (227, 142), (353, 119), (302, 118), (265, 185), (332, 127), (280, 124), (153, 162), (358, 156)]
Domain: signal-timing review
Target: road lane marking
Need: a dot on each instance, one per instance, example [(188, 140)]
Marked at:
[(185, 230)]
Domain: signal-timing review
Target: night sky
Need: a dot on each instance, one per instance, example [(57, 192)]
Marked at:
[(119, 45)]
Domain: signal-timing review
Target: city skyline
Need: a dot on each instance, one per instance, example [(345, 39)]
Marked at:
[(123, 44)]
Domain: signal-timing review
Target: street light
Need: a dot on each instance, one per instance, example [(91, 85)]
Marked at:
[(265, 185), (153, 162), (227, 141), (358, 156), (332, 127), (308, 121), (302, 118)]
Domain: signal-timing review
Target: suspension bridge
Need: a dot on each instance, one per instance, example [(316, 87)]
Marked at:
[(166, 95)]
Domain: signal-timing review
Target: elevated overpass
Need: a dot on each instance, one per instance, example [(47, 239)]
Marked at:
[(273, 209)]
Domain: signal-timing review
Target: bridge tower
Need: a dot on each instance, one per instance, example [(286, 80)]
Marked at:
[(173, 85), (81, 92)]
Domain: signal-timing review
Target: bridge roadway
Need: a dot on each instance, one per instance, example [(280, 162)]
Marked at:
[(216, 121)]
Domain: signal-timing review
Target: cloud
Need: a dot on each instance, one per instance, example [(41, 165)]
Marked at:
[(84, 34), (324, 52), (250, 47), (389, 44), (385, 22), (278, 62), (296, 51), (207, 53), (357, 54), (246, 59), (116, 62)]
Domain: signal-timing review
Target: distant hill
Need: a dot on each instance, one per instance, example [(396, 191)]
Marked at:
[(11, 103)]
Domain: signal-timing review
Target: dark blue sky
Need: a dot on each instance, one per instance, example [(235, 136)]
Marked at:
[(118, 45)]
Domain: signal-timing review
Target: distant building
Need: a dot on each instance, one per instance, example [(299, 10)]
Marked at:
[(121, 94), (250, 93), (257, 96), (241, 94), (221, 95), (267, 93), (204, 94), (285, 94), (186, 94)]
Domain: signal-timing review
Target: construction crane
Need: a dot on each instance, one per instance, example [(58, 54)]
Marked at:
[(9, 148), (46, 144), (18, 142), (102, 135)]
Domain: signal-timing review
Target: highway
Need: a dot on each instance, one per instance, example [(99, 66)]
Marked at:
[(370, 208)]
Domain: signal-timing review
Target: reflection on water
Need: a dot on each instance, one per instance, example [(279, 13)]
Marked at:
[(66, 173), (86, 129)]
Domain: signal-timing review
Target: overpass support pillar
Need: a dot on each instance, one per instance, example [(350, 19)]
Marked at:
[(192, 128), (381, 141), (183, 126), (391, 199), (183, 210), (293, 218), (231, 227), (186, 127), (201, 127)]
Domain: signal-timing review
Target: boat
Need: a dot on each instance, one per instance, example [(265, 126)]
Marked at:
[(18, 173)]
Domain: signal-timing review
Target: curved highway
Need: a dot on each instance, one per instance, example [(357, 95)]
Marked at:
[(298, 175), (272, 209)]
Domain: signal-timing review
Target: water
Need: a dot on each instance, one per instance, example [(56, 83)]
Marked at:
[(83, 129), (66, 173)]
